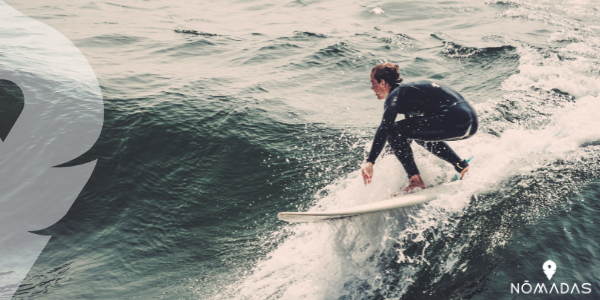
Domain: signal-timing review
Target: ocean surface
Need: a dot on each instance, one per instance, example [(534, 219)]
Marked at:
[(220, 114)]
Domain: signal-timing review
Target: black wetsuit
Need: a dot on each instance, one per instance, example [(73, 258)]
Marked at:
[(434, 113)]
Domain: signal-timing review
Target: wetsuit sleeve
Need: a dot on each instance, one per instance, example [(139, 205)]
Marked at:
[(387, 122)]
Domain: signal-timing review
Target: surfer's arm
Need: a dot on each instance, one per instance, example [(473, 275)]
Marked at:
[(387, 122), (389, 116)]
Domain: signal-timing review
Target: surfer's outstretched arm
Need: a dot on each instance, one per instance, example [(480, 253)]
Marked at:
[(382, 88)]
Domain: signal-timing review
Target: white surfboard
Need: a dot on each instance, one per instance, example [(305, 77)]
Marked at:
[(397, 202)]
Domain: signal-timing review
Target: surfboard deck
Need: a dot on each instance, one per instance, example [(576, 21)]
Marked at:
[(374, 207)]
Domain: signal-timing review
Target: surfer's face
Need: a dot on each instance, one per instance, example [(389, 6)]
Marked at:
[(381, 89)]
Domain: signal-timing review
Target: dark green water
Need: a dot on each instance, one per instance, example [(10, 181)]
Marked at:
[(219, 116)]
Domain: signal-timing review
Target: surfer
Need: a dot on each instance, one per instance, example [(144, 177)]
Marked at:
[(433, 112)]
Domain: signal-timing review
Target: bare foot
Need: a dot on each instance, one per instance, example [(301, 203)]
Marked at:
[(414, 182), (463, 172)]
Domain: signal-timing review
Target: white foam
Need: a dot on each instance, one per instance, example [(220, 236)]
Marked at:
[(547, 73), (377, 10)]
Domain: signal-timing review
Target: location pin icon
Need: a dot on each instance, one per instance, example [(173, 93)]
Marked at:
[(549, 268), (12, 102)]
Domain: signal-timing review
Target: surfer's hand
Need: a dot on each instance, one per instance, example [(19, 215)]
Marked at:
[(367, 172)]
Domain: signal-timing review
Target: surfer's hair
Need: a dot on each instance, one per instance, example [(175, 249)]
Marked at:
[(387, 71)]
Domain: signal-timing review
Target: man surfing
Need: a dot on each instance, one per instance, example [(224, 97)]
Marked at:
[(433, 112)]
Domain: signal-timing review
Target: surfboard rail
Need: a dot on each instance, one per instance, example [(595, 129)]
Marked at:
[(369, 208)]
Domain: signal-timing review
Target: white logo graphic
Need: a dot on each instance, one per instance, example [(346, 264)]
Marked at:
[(549, 268), (57, 116)]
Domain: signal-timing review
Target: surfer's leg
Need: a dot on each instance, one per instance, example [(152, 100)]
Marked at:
[(430, 132), (401, 147), (443, 151), (457, 122)]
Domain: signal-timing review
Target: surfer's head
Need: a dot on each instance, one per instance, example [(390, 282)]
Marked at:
[(384, 76)]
